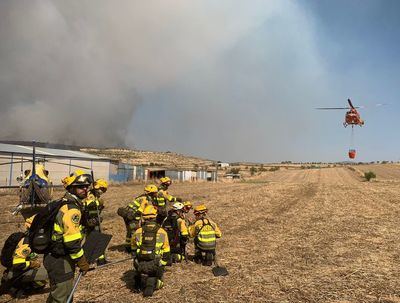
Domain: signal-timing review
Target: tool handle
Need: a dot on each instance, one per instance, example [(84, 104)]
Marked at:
[(71, 295)]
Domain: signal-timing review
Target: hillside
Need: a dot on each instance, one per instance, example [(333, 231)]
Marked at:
[(138, 157)]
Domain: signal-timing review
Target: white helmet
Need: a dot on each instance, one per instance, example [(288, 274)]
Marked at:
[(178, 206)]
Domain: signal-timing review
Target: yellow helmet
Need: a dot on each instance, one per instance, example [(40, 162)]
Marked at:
[(200, 209), (149, 212), (78, 177), (150, 189), (188, 204), (166, 180), (101, 184)]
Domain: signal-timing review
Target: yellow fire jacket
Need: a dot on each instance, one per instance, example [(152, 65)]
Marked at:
[(67, 227)]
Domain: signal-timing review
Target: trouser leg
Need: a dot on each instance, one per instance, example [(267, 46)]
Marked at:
[(60, 292), (198, 257), (131, 227), (61, 271), (209, 258)]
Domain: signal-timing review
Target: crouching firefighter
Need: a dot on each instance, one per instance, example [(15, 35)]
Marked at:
[(23, 274), (177, 231), (150, 249), (205, 232), (61, 219), (93, 206), (133, 212)]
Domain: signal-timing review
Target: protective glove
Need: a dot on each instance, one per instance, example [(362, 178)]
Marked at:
[(130, 215), (34, 264), (83, 265), (92, 222), (179, 200)]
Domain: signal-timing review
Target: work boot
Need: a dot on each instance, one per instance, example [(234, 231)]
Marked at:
[(128, 249), (150, 286), (208, 259), (148, 291)]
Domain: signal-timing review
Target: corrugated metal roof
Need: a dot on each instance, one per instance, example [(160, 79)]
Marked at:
[(47, 152)]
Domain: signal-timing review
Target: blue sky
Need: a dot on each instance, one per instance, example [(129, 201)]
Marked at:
[(227, 80)]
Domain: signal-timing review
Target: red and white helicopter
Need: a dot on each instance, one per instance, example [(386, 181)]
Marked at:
[(352, 115)]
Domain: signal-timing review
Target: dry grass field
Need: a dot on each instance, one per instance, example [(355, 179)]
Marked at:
[(317, 235)]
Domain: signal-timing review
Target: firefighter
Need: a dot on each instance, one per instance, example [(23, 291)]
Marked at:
[(23, 273), (163, 197), (177, 231), (187, 207), (93, 206), (66, 251), (205, 232), (151, 251), (132, 213)]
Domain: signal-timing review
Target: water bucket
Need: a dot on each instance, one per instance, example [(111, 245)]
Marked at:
[(352, 153)]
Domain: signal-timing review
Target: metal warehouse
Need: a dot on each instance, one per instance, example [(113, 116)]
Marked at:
[(15, 159)]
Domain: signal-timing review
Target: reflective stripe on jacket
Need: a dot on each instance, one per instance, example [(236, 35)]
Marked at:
[(92, 205)]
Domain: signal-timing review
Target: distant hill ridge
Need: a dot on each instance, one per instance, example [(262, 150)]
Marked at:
[(150, 158)]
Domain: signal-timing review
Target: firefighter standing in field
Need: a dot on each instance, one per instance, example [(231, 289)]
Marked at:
[(66, 251), (133, 212), (177, 231), (151, 251), (164, 198), (93, 206), (205, 232)]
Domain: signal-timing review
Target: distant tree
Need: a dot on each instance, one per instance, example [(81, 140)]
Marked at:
[(262, 168), (253, 170), (234, 170), (369, 175)]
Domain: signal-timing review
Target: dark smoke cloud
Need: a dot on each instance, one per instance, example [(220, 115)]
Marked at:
[(212, 78), (74, 71), (59, 79)]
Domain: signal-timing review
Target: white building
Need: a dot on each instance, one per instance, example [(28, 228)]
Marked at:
[(15, 159)]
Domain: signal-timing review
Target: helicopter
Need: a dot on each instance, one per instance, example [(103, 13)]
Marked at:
[(35, 186), (352, 116)]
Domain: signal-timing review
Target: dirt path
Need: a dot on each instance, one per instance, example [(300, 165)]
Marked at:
[(317, 235)]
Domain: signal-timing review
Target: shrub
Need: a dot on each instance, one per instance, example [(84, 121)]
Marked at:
[(369, 175), (235, 170), (275, 168), (253, 170)]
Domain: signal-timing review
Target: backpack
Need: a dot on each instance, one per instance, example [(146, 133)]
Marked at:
[(206, 239), (147, 250), (170, 225), (42, 227), (10, 245)]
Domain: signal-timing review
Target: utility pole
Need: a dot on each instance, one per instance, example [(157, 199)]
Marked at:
[(216, 171)]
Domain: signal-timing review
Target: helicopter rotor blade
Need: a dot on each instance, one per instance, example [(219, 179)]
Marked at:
[(333, 108), (351, 104)]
